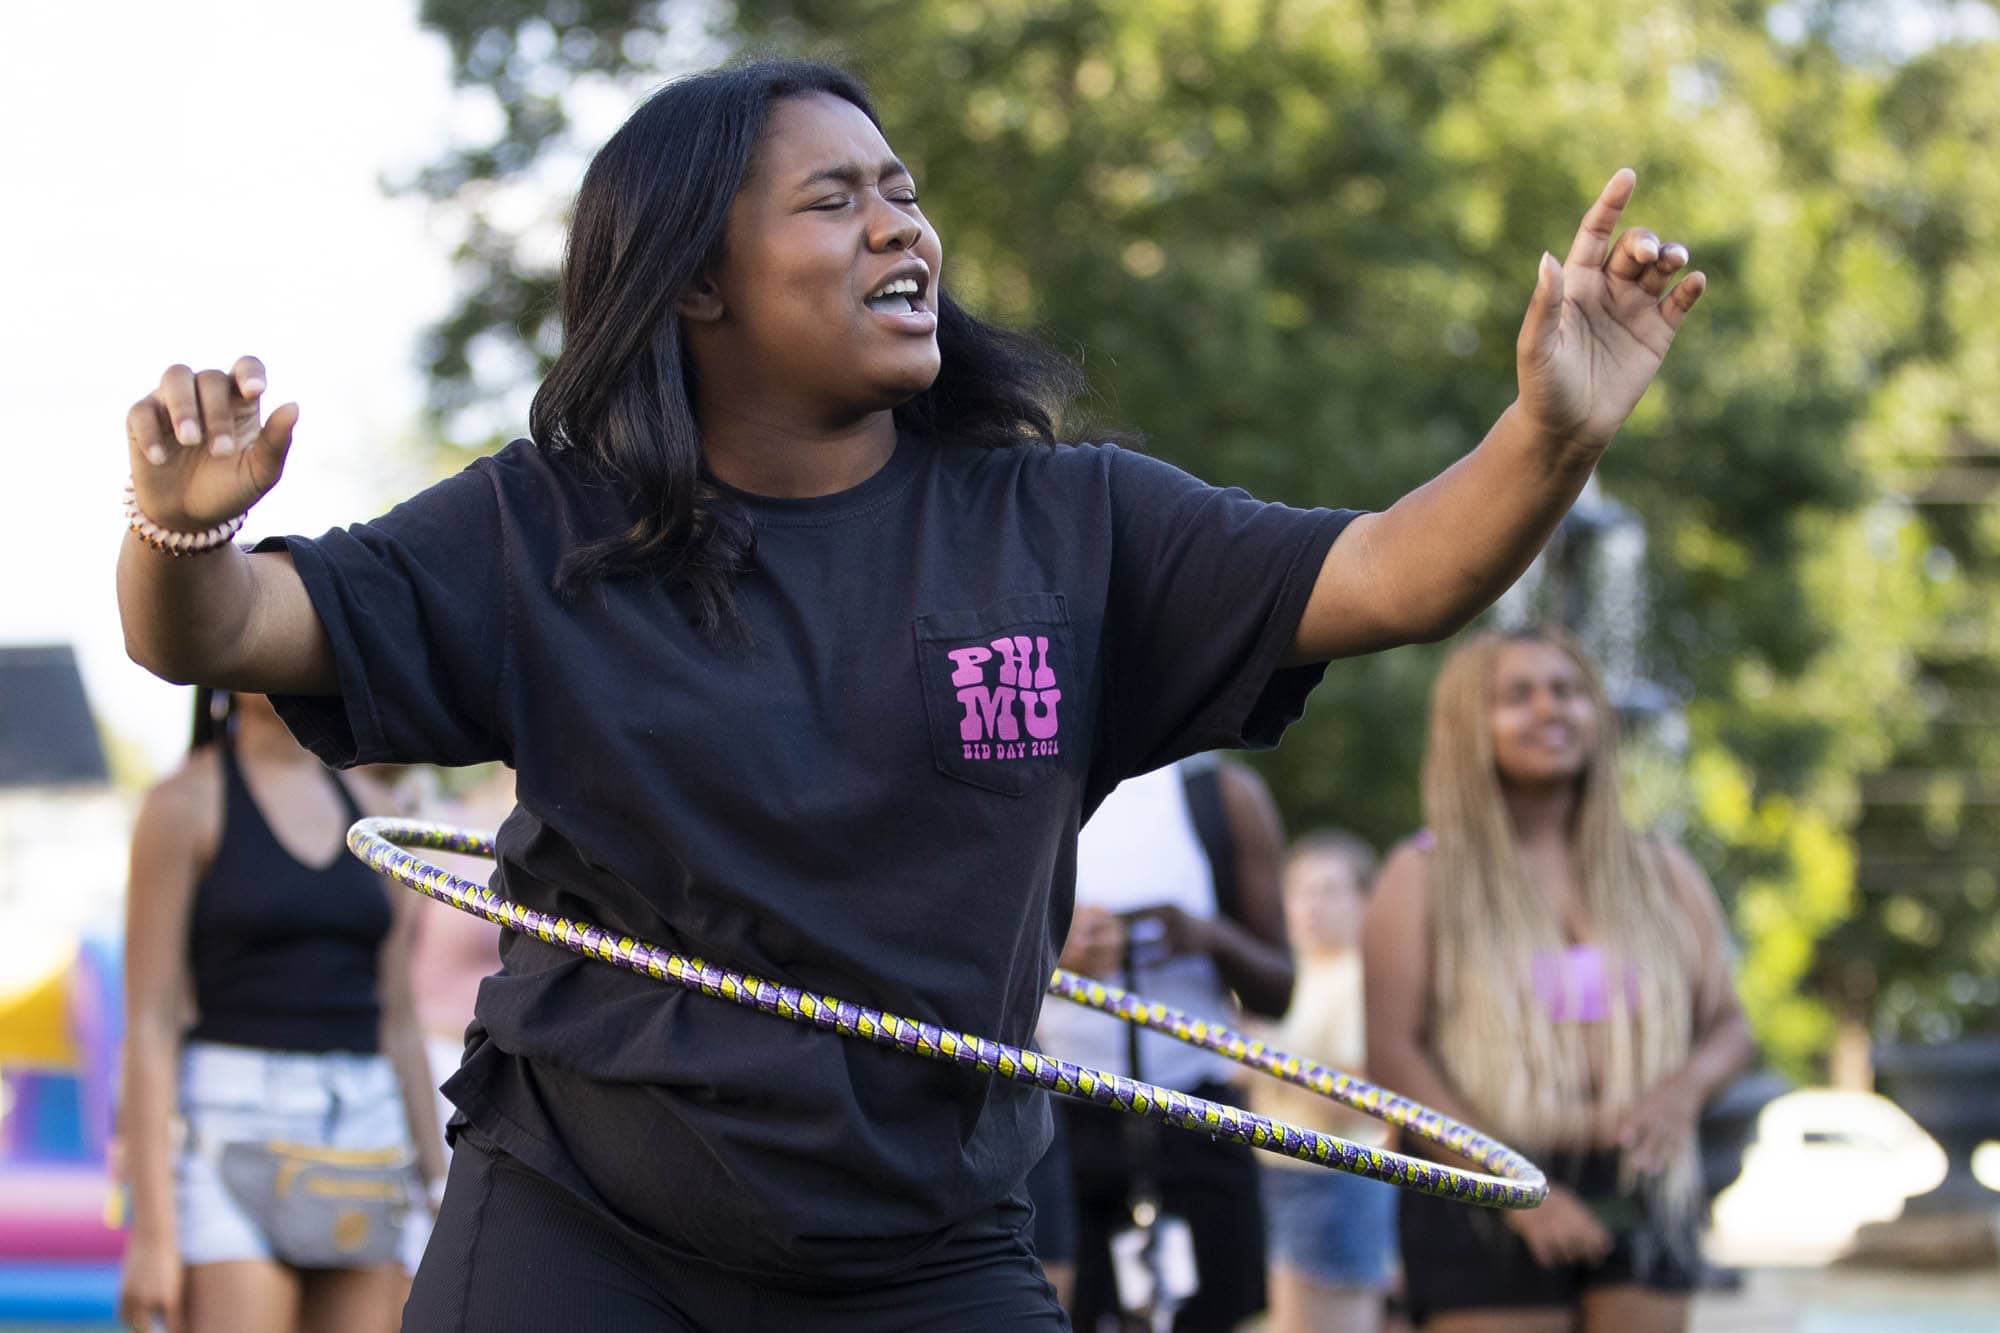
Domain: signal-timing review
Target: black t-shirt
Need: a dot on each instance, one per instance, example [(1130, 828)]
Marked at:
[(953, 662)]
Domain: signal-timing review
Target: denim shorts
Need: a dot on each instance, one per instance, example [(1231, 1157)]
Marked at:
[(1335, 1228), (232, 1094)]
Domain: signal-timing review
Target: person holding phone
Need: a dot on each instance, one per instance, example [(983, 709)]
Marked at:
[(1178, 899)]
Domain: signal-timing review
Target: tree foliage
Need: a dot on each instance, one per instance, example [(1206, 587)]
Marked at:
[(1291, 241)]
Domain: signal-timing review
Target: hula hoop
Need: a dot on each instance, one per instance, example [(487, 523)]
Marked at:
[(1509, 1180)]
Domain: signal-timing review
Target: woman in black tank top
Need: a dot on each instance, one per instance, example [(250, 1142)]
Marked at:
[(268, 998)]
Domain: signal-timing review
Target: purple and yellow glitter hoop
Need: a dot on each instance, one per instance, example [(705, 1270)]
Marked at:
[(1507, 1179)]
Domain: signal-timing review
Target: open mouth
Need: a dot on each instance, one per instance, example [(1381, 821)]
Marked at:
[(902, 294)]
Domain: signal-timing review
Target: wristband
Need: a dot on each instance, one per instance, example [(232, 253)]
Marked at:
[(177, 543)]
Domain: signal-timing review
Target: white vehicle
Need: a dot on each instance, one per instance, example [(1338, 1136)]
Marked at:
[(1824, 1164)]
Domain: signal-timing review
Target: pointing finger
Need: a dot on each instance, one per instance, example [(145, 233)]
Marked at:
[(1593, 238)]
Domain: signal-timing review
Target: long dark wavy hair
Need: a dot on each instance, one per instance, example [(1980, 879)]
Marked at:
[(648, 224)]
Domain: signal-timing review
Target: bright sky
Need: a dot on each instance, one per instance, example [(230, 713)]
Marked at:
[(191, 181)]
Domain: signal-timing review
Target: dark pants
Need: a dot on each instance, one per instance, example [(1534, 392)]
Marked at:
[(1211, 1186), (514, 1251)]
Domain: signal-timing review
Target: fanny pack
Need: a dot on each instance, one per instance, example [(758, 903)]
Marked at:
[(322, 1207)]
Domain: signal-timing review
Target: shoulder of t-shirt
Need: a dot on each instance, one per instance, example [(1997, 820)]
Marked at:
[(521, 463), (1078, 463), (518, 469), (1028, 453), (530, 482)]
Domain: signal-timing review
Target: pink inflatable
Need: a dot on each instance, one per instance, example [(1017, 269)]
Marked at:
[(56, 1212)]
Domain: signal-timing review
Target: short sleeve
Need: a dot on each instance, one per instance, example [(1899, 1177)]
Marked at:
[(414, 607), (1207, 589)]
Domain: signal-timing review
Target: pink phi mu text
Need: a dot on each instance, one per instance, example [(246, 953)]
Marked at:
[(1024, 699)]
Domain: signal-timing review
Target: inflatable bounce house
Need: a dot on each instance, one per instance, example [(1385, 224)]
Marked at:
[(59, 1242), (62, 837)]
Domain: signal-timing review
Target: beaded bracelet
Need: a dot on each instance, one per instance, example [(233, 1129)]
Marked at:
[(177, 543)]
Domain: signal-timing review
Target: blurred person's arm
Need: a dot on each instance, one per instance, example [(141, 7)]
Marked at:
[(1662, 1122), (1251, 953), (1597, 328), (173, 842), (402, 1034), (201, 454)]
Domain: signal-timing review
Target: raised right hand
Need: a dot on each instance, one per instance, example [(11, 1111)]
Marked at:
[(149, 1288), (201, 451)]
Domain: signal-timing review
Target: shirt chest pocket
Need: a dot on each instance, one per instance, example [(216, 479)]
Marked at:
[(993, 680)]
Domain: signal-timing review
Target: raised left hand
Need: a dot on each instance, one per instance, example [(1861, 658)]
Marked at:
[(1600, 323), (1659, 1127)]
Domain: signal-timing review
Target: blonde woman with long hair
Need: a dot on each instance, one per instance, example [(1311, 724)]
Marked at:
[(1541, 969)]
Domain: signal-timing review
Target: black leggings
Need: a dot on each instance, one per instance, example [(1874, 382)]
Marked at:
[(515, 1251)]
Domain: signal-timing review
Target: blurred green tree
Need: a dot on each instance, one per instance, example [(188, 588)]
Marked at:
[(1291, 241), (1921, 958)]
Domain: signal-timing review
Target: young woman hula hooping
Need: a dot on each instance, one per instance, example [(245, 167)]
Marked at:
[(811, 649)]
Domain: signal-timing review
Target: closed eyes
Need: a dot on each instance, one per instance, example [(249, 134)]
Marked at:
[(892, 177), (906, 198)]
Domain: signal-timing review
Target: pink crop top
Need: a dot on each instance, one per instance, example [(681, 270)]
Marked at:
[(1570, 983)]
